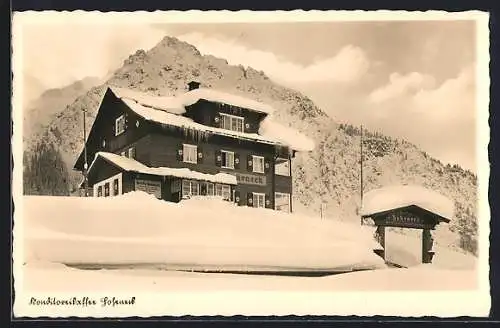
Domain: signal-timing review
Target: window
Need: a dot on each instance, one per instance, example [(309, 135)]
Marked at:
[(282, 167), (282, 201), (259, 200), (106, 189), (226, 192), (186, 188), (195, 188), (114, 182), (231, 122), (206, 189), (218, 190), (190, 188), (258, 164), (223, 191), (227, 159), (115, 187), (190, 153), (131, 152), (120, 125)]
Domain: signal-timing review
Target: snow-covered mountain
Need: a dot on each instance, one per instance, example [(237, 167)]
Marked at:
[(39, 112), (325, 180)]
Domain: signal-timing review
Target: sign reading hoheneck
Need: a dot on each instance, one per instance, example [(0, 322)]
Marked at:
[(251, 179), (405, 219), (149, 186)]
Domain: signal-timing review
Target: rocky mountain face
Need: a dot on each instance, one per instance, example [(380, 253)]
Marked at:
[(39, 112), (326, 180)]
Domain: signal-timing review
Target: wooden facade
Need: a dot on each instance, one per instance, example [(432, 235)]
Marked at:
[(160, 145)]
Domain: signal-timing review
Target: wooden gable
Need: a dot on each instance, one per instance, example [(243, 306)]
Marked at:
[(102, 133)]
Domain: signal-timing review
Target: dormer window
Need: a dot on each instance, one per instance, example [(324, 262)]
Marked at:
[(231, 122), (120, 125)]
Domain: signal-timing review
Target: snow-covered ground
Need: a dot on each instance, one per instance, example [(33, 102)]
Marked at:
[(145, 238), (43, 276), (136, 228)]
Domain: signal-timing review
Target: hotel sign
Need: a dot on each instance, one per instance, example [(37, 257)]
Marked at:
[(149, 186), (251, 179)]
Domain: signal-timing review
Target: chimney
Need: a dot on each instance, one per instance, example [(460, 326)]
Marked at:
[(193, 85)]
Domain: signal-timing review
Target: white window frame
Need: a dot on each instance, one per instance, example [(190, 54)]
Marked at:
[(190, 183), (255, 196), (223, 164), (230, 118), (189, 147), (226, 192), (276, 203), (119, 128), (288, 168), (254, 158), (111, 189), (210, 186)]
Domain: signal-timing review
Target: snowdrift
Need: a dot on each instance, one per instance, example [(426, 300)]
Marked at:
[(201, 234)]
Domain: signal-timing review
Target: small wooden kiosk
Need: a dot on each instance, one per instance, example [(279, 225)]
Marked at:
[(410, 207)]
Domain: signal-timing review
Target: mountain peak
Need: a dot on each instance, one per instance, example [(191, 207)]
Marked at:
[(176, 44)]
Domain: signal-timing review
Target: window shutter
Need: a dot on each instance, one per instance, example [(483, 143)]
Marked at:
[(179, 152), (200, 154), (249, 163), (217, 120), (250, 199), (268, 201), (218, 158), (126, 121), (236, 161), (237, 198), (267, 165)]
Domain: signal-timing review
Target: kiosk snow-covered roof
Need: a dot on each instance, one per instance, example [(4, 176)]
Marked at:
[(400, 196)]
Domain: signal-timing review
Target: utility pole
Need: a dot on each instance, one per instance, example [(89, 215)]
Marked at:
[(361, 169), (85, 165)]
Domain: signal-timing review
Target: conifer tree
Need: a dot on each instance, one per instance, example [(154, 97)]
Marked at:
[(45, 172)]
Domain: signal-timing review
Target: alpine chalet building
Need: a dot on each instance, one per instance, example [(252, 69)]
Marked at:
[(201, 143)]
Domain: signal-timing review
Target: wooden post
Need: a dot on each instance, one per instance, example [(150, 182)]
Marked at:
[(85, 165), (381, 240), (427, 243)]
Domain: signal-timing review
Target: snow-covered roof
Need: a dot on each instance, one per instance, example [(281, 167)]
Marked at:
[(393, 197), (172, 105), (169, 110), (287, 137), (177, 104), (129, 164), (193, 96)]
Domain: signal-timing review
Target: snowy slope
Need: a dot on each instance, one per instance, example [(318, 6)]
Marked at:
[(201, 234)]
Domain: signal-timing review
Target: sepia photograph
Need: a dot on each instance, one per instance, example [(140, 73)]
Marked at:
[(250, 163)]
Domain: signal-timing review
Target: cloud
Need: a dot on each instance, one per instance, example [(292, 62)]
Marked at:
[(349, 65), (58, 55), (400, 85), (439, 118), (453, 99)]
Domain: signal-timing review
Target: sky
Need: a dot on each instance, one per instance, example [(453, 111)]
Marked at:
[(407, 79)]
